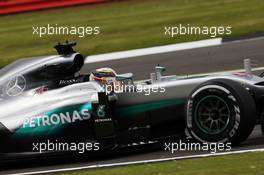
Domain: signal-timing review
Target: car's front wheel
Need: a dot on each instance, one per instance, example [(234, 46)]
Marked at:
[(220, 110)]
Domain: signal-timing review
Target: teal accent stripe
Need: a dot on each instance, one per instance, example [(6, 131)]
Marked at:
[(136, 109)]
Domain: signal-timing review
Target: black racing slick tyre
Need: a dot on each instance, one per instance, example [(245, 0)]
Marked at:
[(221, 111)]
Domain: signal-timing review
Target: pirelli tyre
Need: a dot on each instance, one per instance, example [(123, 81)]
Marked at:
[(222, 111)]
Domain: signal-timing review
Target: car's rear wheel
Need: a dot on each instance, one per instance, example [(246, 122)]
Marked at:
[(220, 110)]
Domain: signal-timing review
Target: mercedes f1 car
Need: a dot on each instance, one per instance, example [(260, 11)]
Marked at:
[(46, 98)]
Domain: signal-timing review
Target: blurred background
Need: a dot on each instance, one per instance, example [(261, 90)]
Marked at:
[(124, 24)]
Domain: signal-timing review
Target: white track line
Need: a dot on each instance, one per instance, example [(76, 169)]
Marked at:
[(163, 49), (153, 50), (140, 162), (245, 40)]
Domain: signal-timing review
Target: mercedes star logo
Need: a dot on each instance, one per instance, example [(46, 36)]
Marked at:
[(16, 85)]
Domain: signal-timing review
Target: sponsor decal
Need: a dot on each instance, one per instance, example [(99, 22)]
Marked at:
[(101, 111), (103, 120), (189, 113), (16, 86), (68, 82), (56, 118), (237, 121)]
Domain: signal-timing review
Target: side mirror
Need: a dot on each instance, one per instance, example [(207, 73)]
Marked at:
[(122, 77), (160, 69), (157, 76)]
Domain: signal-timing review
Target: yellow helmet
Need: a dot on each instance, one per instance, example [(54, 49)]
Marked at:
[(103, 75)]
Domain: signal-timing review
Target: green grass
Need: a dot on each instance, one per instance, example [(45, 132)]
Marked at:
[(240, 164), (126, 25)]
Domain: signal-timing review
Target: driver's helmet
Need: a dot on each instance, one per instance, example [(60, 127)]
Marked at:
[(103, 75)]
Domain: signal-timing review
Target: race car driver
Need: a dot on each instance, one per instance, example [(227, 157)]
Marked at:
[(105, 77)]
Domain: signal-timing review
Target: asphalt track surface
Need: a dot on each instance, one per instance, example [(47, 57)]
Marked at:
[(227, 56)]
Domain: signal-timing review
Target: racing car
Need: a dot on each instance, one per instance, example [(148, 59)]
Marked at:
[(46, 98)]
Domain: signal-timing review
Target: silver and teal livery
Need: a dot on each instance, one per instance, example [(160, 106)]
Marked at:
[(47, 98)]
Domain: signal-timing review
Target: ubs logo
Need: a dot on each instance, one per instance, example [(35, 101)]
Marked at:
[(16, 86)]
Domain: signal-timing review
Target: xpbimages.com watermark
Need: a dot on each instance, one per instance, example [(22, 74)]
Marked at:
[(192, 146), (54, 146), (130, 88), (212, 31), (80, 31)]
